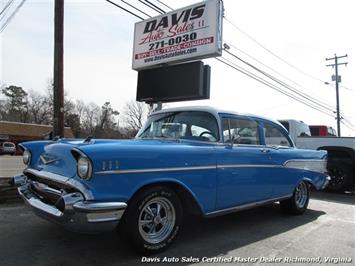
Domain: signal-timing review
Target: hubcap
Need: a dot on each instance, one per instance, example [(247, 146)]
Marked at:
[(156, 220), (337, 177), (301, 195)]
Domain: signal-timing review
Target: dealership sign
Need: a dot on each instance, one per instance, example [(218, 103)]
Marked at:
[(189, 33)]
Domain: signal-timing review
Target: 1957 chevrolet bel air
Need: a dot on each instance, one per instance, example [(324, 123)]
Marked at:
[(184, 160)]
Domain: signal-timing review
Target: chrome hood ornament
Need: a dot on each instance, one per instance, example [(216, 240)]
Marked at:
[(46, 159)]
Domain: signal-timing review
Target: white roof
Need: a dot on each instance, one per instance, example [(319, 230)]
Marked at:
[(213, 110)]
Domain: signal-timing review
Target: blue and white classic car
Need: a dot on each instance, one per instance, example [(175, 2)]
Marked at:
[(196, 160)]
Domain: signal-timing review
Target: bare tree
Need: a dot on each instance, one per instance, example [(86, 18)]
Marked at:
[(135, 114), (40, 108)]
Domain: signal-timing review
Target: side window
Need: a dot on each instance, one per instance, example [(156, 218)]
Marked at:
[(274, 137), (241, 131)]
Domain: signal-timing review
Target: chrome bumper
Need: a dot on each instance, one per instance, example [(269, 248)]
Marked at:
[(326, 182), (71, 210)]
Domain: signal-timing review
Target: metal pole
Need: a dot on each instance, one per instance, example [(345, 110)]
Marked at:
[(58, 90), (337, 80), (337, 94)]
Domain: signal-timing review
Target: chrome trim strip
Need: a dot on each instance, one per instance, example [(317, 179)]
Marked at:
[(322, 170), (249, 166), (99, 206), (191, 168), (246, 206), (103, 217), (304, 160), (62, 180), (155, 170)]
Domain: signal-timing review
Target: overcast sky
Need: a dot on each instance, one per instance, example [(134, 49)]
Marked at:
[(99, 43)]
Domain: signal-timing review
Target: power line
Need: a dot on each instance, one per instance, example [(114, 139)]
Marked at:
[(257, 78), (303, 95), (270, 68), (162, 3), (11, 16), (348, 126), (155, 6), (132, 6), (152, 7), (124, 9), (271, 52), (251, 75), (6, 7)]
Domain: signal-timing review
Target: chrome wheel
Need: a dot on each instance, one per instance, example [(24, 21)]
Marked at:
[(301, 195), (337, 177), (156, 220)]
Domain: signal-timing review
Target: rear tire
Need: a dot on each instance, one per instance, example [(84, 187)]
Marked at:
[(153, 219), (299, 202), (341, 177)]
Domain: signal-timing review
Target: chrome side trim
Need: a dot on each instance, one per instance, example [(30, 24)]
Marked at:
[(85, 206), (249, 166), (311, 165), (304, 160), (155, 170), (62, 180), (191, 168), (102, 217), (246, 206)]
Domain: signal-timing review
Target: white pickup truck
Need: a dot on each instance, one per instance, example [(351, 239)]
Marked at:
[(341, 153)]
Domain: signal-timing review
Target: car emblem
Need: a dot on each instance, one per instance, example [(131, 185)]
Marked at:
[(48, 160)]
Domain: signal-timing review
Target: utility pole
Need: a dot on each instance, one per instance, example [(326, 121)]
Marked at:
[(58, 90), (337, 79)]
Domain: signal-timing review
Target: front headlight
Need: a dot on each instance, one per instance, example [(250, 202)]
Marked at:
[(26, 157), (84, 168)]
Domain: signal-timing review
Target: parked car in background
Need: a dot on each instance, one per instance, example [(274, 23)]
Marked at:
[(341, 153), (319, 131), (195, 160), (7, 148)]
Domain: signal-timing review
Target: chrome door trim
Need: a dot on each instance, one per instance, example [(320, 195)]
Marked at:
[(250, 166), (187, 168), (246, 206), (156, 170)]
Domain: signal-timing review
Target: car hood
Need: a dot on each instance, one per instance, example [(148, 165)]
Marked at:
[(57, 156)]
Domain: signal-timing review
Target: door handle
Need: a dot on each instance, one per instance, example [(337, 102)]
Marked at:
[(265, 150)]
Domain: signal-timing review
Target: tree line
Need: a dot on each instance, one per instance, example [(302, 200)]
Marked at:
[(85, 119)]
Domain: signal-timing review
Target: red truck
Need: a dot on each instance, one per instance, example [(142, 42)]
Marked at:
[(322, 131)]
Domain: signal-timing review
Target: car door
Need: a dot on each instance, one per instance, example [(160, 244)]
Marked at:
[(242, 164), (279, 148)]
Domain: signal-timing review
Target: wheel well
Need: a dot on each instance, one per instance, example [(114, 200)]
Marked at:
[(310, 184), (340, 154), (188, 202)]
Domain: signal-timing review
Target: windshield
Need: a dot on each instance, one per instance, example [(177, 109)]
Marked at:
[(192, 125)]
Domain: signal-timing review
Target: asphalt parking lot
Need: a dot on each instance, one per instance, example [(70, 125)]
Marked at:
[(326, 231)]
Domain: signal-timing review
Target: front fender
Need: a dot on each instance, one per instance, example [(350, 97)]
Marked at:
[(170, 182)]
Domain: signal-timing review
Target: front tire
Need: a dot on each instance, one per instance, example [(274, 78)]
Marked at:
[(299, 201), (153, 219)]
